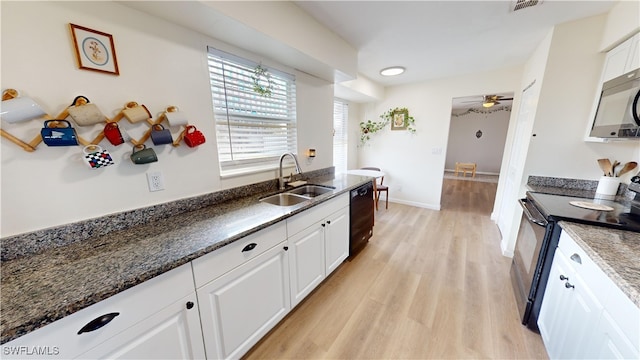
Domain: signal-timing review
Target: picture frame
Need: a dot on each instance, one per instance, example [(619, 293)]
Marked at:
[(95, 50), (399, 119)]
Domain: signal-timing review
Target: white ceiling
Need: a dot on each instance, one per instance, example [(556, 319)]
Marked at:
[(437, 39)]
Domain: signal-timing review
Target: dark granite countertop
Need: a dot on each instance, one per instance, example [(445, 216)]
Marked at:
[(616, 252), (41, 288)]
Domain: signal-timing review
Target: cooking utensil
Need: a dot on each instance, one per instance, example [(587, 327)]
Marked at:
[(613, 167), (627, 167), (605, 166)]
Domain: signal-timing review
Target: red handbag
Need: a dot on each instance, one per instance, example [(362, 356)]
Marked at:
[(193, 137), (113, 134)]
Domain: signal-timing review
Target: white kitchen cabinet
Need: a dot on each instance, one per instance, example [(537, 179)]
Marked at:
[(618, 328), (241, 306), (618, 61), (307, 263), (319, 243), (134, 312), (584, 314), (172, 333), (622, 59), (336, 239), (569, 311)]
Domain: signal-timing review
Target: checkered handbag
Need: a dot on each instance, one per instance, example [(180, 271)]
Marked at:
[(96, 157)]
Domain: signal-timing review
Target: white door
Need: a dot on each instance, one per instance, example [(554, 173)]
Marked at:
[(508, 214), (241, 306), (172, 333), (307, 268), (337, 239)]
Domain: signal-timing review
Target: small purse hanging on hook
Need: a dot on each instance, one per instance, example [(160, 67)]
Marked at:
[(96, 157), (160, 135), (55, 135), (193, 137), (84, 113)]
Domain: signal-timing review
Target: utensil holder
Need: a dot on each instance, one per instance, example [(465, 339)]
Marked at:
[(607, 187)]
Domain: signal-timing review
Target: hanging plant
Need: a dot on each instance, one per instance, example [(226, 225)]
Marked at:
[(262, 81), (368, 128)]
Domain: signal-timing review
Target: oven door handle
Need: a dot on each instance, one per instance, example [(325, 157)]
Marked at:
[(527, 213)]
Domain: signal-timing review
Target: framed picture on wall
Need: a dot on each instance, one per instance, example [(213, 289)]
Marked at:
[(399, 119), (95, 50)]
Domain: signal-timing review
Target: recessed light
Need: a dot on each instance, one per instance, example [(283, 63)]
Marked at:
[(392, 71)]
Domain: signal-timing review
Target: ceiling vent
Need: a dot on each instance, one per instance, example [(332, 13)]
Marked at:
[(523, 4)]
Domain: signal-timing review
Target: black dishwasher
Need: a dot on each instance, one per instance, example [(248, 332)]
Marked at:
[(361, 217)]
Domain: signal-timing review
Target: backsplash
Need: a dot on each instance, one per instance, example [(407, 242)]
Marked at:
[(33, 242), (573, 187)]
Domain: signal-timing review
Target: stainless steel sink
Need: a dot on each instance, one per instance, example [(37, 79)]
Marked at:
[(310, 191), (284, 199)]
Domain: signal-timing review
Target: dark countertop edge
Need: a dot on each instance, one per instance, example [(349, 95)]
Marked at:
[(35, 323), (628, 289)]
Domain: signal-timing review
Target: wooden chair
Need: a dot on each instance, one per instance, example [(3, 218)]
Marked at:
[(379, 188)]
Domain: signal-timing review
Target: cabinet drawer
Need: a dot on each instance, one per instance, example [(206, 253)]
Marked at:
[(61, 338), (583, 265), (221, 261), (301, 221)]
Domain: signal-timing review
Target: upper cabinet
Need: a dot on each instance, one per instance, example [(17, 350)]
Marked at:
[(618, 61), (622, 59)]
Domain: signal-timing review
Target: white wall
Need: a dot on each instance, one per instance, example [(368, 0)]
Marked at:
[(567, 71), (564, 109), (486, 151), (161, 64), (414, 163)]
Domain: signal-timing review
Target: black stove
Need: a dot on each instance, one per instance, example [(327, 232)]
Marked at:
[(558, 208)]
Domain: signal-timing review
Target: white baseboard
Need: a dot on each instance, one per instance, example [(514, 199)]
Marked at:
[(411, 203), (477, 172)]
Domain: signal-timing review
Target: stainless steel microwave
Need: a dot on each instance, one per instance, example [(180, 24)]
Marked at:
[(618, 114)]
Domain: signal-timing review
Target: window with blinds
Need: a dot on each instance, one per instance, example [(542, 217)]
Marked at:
[(340, 120), (252, 130)]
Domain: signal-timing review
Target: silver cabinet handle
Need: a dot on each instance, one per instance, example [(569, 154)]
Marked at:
[(576, 258)]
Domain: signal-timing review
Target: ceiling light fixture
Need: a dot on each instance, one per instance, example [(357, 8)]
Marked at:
[(392, 71), (488, 104)]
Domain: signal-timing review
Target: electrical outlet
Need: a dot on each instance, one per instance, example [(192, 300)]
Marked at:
[(155, 180)]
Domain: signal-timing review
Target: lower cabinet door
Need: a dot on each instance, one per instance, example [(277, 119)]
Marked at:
[(307, 268), (172, 333), (337, 239), (569, 312), (553, 322), (241, 306), (612, 342)]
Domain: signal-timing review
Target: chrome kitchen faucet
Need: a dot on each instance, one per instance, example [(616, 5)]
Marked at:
[(298, 170)]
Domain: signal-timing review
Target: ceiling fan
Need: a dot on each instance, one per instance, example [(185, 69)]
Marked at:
[(491, 100)]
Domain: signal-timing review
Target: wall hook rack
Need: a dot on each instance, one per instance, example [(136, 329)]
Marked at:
[(85, 113)]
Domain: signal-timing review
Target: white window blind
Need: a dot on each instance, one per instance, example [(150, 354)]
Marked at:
[(252, 130), (340, 120)]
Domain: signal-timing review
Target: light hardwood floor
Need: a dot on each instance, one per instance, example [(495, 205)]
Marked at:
[(429, 285)]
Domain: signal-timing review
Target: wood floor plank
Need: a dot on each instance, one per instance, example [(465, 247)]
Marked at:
[(429, 285)]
